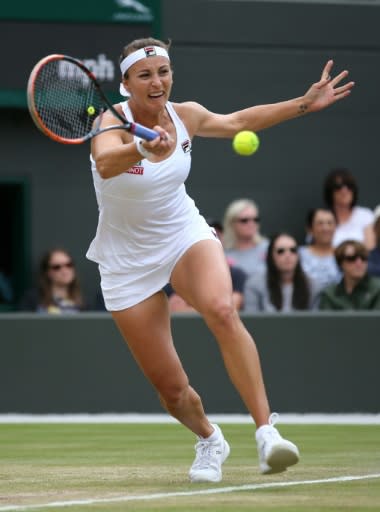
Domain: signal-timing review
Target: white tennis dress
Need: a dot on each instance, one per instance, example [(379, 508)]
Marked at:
[(146, 223)]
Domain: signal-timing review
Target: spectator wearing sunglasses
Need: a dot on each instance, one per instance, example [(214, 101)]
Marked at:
[(341, 195), (58, 290), (283, 286), (243, 243), (317, 258), (357, 289)]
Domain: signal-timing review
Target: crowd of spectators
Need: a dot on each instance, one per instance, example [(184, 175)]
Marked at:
[(336, 267)]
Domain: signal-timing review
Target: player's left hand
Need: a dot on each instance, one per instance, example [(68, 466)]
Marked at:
[(327, 91)]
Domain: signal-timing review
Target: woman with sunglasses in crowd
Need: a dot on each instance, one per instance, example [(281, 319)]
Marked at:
[(282, 286), (341, 196), (244, 245), (58, 289), (357, 289)]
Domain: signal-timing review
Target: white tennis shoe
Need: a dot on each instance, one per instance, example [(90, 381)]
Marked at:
[(275, 453), (210, 455)]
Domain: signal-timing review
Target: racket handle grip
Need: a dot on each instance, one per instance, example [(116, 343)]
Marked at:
[(143, 132)]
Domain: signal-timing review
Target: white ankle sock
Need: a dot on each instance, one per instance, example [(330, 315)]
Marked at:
[(214, 436)]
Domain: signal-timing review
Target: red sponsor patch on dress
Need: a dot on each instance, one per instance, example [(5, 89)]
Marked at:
[(136, 169)]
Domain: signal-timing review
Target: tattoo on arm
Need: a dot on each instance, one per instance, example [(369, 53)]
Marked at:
[(302, 109)]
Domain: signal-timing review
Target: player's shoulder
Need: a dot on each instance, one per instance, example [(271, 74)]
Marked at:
[(192, 114), (188, 107), (119, 109), (108, 118)]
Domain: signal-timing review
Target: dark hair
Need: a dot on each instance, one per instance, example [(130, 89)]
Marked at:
[(339, 175), (340, 250), (141, 43), (310, 216), (301, 288), (44, 282)]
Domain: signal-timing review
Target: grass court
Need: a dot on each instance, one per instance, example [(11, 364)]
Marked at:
[(143, 467)]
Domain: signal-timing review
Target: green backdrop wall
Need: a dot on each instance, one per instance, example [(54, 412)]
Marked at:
[(311, 363)]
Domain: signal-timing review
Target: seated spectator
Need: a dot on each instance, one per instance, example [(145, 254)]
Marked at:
[(243, 243), (341, 196), (282, 286), (357, 290), (58, 289), (238, 276), (374, 254), (317, 258)]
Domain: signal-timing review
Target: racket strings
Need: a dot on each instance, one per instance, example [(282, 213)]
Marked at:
[(66, 100)]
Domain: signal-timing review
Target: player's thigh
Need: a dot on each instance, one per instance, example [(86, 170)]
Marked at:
[(146, 330), (202, 276)]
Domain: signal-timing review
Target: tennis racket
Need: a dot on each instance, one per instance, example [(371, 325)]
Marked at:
[(67, 103)]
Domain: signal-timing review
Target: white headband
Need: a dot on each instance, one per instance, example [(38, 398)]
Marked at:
[(142, 53)]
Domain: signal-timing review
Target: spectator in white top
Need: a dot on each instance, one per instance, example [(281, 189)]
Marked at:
[(317, 258), (341, 195), (243, 243)]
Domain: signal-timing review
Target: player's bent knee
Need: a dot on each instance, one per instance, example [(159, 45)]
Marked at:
[(222, 313), (173, 394)]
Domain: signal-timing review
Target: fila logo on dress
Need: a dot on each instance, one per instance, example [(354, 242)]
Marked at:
[(186, 146)]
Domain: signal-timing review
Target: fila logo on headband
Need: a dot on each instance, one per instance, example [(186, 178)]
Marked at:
[(150, 51)]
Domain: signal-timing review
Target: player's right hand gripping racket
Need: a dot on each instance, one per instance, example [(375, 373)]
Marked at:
[(65, 98)]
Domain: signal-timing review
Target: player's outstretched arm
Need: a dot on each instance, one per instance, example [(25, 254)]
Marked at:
[(320, 95)]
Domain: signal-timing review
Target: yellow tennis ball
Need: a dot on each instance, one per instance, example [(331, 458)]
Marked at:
[(246, 143), (90, 110)]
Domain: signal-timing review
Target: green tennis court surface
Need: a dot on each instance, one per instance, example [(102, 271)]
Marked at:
[(141, 467)]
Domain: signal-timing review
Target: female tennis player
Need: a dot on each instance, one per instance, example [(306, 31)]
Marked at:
[(151, 233)]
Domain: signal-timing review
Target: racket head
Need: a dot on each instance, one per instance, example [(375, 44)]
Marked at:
[(64, 99)]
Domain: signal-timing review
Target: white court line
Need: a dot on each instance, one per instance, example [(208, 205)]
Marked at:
[(285, 418), (216, 490)]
